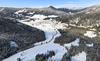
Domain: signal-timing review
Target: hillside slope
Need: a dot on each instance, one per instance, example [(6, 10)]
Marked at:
[(22, 35)]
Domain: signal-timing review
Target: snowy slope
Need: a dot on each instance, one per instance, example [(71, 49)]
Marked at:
[(20, 11), (75, 43), (79, 57)]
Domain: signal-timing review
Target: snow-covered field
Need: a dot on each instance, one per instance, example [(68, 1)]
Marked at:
[(50, 27), (75, 43), (89, 45), (79, 57), (90, 34)]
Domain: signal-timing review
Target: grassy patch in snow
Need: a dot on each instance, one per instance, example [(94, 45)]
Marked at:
[(74, 29), (82, 31)]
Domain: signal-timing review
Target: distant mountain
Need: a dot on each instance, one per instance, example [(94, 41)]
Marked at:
[(88, 17), (10, 11), (52, 7), (67, 10)]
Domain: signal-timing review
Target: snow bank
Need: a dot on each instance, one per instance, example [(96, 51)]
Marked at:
[(39, 17), (13, 44), (89, 45), (90, 34), (31, 13), (93, 29), (87, 12), (20, 11), (75, 43), (79, 57)]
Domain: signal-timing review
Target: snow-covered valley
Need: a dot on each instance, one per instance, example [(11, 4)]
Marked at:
[(50, 33), (50, 27)]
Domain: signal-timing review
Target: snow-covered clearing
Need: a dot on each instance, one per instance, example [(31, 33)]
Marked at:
[(31, 13), (38, 17), (87, 12), (90, 34), (75, 43), (93, 29), (13, 44), (79, 57), (48, 26), (89, 45)]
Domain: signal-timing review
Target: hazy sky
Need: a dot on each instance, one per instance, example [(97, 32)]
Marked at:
[(44, 3)]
